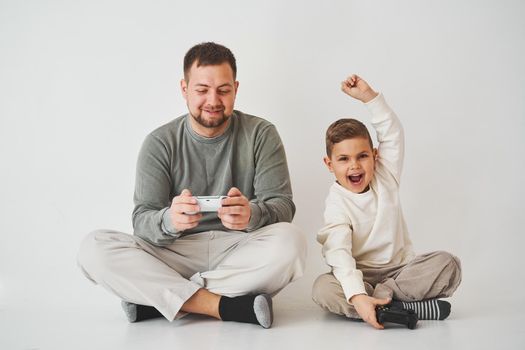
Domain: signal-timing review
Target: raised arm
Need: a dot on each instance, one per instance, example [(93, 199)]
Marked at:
[(388, 128)]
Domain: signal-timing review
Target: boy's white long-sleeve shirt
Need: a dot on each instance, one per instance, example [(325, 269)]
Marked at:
[(368, 229)]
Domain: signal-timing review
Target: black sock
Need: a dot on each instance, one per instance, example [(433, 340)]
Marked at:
[(431, 309), (256, 309), (137, 312)]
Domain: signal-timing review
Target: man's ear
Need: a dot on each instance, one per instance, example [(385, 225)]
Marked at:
[(328, 163), (184, 88), (376, 153), (236, 85)]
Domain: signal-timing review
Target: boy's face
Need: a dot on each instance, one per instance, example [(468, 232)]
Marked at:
[(353, 163)]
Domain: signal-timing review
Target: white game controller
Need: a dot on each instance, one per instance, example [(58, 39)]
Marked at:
[(208, 203)]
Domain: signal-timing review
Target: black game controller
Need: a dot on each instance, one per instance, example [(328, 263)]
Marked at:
[(396, 315)]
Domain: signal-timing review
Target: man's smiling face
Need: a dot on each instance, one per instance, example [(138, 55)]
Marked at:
[(210, 96)]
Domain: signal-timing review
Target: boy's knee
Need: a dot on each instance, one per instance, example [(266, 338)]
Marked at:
[(329, 295), (450, 273), (325, 288), (454, 266), (449, 261)]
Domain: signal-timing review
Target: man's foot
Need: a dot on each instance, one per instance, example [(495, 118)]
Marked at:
[(256, 309), (431, 309), (137, 313)]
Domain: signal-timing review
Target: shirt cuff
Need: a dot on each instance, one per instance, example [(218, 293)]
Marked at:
[(377, 105), (352, 285), (255, 217), (167, 225)]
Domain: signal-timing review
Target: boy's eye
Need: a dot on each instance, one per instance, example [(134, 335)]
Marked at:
[(342, 159), (363, 155)]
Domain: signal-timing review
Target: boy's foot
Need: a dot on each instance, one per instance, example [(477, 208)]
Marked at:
[(137, 313), (431, 309), (256, 309)]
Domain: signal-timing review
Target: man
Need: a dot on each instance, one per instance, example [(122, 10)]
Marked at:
[(226, 264)]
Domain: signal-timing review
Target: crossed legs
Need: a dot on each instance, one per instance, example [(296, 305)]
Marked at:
[(191, 275)]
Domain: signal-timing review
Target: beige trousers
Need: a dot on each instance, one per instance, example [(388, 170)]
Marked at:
[(432, 275), (226, 263)]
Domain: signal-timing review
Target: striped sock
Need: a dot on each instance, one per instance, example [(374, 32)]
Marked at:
[(431, 309)]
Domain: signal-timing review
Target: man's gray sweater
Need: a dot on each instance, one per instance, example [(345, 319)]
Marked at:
[(249, 155)]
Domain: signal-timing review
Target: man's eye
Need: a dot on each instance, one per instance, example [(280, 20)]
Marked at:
[(201, 91), (224, 92), (363, 156)]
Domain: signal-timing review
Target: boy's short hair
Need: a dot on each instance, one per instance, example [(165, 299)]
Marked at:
[(344, 129), (207, 54)]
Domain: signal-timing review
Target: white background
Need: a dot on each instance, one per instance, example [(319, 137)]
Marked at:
[(83, 82)]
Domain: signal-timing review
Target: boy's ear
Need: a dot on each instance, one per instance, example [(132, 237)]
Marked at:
[(328, 163), (376, 153)]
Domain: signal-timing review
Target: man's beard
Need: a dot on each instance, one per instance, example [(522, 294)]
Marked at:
[(211, 123)]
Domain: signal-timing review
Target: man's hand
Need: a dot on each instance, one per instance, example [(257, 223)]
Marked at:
[(366, 308), (358, 88), (180, 205), (235, 212)]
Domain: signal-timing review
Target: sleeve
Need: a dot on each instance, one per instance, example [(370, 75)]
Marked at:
[(272, 188), (336, 238), (390, 136), (153, 183)]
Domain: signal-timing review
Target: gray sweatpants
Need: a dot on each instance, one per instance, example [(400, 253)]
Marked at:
[(226, 263), (432, 275)]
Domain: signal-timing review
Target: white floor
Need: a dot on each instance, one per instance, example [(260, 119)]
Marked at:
[(299, 324)]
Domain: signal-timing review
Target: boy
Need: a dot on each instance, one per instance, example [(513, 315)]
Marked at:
[(365, 239)]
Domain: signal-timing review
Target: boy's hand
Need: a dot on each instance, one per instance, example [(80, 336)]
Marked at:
[(358, 89), (366, 308)]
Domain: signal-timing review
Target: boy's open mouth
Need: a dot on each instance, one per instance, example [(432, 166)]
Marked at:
[(355, 179)]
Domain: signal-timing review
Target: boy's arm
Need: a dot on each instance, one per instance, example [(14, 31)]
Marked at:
[(336, 238), (390, 135), (388, 127)]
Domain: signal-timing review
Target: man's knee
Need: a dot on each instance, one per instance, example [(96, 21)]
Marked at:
[(288, 244), (97, 248)]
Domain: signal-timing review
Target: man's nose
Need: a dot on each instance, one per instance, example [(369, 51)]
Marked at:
[(213, 98)]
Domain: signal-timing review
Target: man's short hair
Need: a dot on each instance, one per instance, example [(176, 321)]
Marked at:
[(344, 129), (207, 54)]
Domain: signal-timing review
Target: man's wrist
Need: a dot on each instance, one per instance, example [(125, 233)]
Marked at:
[(167, 224)]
